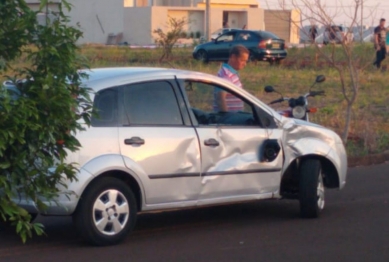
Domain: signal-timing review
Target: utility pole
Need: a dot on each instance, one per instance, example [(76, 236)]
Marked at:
[(207, 12), (361, 21)]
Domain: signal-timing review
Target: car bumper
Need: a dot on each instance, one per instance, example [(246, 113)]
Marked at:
[(65, 203), (272, 55)]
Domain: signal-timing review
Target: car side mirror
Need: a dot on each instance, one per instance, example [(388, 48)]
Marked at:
[(269, 89), (320, 78)]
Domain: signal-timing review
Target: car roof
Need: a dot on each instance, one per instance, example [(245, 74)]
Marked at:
[(103, 78)]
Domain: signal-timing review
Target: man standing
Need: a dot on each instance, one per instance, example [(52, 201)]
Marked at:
[(223, 101), (313, 33), (380, 43)]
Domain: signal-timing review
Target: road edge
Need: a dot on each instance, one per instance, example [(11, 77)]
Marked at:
[(368, 160)]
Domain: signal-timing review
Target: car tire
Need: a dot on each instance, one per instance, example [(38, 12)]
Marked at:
[(106, 212), (252, 57), (202, 56), (275, 62), (311, 189)]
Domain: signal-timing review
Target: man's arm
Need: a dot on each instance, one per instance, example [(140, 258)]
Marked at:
[(221, 101), (376, 43)]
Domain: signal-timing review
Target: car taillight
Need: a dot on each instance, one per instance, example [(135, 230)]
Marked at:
[(262, 44)]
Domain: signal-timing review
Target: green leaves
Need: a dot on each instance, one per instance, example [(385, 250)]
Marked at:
[(41, 113)]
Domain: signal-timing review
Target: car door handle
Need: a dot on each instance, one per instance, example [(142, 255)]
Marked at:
[(211, 142), (134, 141)]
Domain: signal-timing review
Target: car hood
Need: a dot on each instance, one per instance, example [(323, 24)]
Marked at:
[(299, 130)]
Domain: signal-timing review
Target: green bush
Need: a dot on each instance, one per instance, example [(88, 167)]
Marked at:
[(37, 128)]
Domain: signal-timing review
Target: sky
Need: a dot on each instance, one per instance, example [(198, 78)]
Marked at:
[(373, 10)]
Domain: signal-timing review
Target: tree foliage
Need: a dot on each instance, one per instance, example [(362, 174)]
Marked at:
[(167, 40), (38, 118)]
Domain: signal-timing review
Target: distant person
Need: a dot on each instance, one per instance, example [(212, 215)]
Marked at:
[(387, 40), (313, 33), (225, 24), (223, 101), (380, 43)]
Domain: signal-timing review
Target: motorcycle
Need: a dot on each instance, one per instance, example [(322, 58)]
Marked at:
[(298, 107)]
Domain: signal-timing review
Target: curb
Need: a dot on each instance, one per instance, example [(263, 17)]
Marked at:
[(369, 160)]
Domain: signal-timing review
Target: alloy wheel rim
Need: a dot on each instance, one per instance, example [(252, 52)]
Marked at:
[(111, 212), (320, 193), (202, 55)]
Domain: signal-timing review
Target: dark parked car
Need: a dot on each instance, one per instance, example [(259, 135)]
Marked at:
[(263, 46)]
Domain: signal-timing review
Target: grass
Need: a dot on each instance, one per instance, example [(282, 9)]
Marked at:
[(370, 120)]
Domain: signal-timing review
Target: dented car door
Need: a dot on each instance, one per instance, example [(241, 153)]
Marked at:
[(232, 147)]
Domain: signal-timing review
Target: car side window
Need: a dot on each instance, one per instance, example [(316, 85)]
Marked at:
[(204, 103), (228, 37), (105, 108), (246, 36), (151, 103)]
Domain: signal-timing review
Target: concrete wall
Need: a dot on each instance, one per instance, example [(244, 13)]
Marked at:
[(255, 19), (295, 27), (137, 26), (278, 22), (97, 18), (283, 23), (196, 21)]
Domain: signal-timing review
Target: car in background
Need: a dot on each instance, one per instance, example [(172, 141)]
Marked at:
[(157, 143), (263, 46), (221, 31), (336, 34)]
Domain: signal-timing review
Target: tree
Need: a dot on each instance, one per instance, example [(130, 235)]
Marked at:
[(40, 117), (341, 57), (169, 39)]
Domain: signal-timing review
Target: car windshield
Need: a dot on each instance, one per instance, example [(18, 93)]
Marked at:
[(267, 35)]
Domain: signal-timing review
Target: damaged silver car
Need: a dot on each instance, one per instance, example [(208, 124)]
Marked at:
[(158, 144)]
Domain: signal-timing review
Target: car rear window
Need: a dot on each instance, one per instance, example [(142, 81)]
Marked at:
[(267, 35)]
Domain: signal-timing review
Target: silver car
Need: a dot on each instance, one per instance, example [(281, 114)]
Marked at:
[(158, 144)]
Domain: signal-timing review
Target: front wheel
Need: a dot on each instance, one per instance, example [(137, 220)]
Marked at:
[(106, 212), (311, 189), (202, 56)]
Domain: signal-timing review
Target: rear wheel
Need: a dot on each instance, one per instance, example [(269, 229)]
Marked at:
[(202, 56), (106, 212), (275, 62), (311, 189)]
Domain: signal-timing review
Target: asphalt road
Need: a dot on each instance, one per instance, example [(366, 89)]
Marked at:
[(353, 227)]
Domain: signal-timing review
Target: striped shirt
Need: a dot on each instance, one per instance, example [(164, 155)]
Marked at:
[(233, 103)]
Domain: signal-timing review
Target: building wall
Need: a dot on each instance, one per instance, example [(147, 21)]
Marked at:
[(295, 27), (137, 26), (97, 19), (196, 21), (140, 22), (255, 19), (283, 23)]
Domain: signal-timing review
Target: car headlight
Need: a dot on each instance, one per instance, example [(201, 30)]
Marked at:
[(298, 112)]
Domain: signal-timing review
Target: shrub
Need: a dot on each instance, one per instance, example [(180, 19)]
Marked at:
[(38, 120)]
